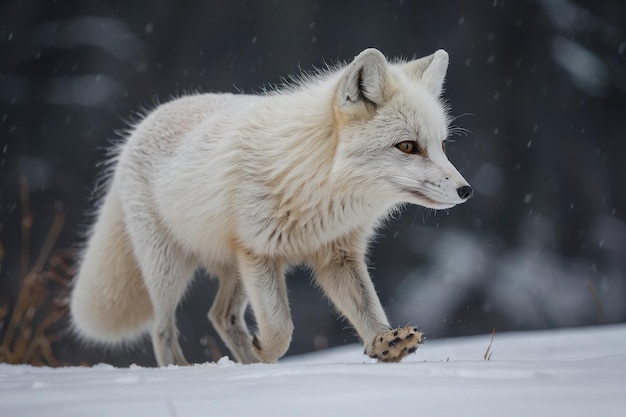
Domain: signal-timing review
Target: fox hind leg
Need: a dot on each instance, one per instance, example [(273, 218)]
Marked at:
[(167, 271), (167, 279)]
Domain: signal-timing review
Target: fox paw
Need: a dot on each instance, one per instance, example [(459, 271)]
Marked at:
[(395, 344)]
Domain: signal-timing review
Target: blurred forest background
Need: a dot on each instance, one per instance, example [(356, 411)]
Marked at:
[(540, 85)]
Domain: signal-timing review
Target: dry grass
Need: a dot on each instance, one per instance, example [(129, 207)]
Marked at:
[(597, 302), (488, 353), (32, 325)]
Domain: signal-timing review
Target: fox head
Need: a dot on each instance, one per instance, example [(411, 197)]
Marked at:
[(392, 126)]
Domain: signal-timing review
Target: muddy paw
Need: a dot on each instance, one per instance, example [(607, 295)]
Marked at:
[(395, 344)]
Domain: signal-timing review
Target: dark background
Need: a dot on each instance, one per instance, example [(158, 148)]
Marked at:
[(540, 86)]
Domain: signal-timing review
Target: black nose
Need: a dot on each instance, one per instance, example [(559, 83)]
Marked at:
[(465, 192)]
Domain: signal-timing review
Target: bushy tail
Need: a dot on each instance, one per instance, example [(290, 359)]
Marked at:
[(109, 302)]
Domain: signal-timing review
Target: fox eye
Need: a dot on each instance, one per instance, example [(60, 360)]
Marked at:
[(409, 146), (443, 146)]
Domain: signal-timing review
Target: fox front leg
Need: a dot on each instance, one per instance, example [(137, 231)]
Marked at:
[(342, 273), (228, 315), (264, 283), (395, 344)]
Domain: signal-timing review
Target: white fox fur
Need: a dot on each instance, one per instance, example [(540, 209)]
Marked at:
[(246, 185)]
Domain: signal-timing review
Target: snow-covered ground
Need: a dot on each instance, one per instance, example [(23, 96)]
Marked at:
[(578, 372)]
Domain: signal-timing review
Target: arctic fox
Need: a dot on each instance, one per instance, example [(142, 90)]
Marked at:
[(246, 185)]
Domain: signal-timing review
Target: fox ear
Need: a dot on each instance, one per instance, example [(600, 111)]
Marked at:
[(365, 81), (429, 71)]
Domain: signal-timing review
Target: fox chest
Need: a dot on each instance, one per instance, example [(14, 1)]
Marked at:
[(295, 233)]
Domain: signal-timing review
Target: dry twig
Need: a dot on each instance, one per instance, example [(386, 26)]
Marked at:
[(42, 298), (597, 302), (487, 355)]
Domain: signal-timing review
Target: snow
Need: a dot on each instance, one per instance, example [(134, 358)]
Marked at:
[(575, 372)]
